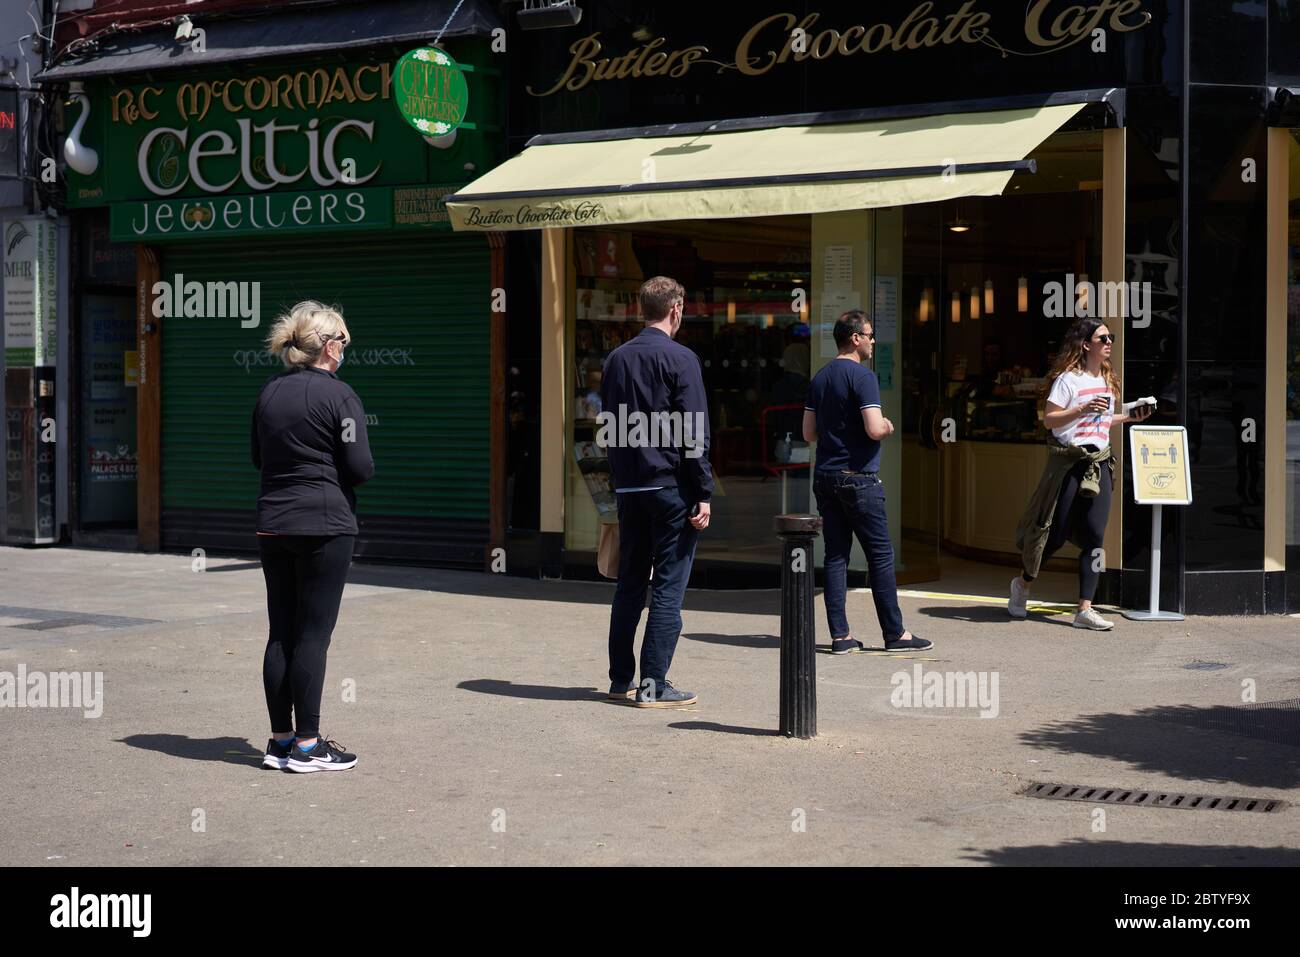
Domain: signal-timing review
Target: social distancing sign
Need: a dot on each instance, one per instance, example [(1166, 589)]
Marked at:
[(1161, 472)]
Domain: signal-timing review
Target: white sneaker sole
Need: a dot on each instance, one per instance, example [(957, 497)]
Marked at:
[(304, 767), (1083, 624), (274, 764), (668, 704)]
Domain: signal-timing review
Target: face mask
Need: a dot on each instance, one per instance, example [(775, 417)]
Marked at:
[(341, 354)]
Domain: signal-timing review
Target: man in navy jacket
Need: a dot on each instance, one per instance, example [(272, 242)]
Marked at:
[(655, 429)]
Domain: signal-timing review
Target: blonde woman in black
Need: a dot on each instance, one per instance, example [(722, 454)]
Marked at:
[(310, 444)]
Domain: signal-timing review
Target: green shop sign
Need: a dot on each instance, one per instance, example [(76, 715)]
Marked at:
[(191, 156), (280, 213), (432, 93)]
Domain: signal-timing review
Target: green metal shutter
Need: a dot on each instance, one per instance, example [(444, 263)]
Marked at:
[(417, 311)]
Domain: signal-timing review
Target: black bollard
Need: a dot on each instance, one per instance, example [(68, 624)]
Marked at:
[(798, 630)]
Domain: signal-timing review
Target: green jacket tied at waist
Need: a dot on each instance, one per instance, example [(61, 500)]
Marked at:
[(1036, 524)]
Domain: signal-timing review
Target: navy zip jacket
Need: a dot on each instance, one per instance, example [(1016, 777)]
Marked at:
[(651, 373), (300, 443)]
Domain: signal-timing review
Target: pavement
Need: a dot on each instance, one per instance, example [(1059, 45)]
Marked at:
[(474, 702)]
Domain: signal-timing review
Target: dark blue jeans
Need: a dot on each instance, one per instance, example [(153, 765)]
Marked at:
[(855, 505), (653, 532)]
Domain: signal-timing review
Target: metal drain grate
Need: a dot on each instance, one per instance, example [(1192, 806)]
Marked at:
[(1164, 799)]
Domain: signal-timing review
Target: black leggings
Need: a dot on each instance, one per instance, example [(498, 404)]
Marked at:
[(304, 585), (1090, 514)]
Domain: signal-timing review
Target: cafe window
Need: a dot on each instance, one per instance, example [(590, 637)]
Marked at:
[(746, 321)]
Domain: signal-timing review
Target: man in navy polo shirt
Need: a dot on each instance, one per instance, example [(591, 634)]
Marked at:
[(842, 415)]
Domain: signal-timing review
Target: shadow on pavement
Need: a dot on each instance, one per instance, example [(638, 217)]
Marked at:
[(737, 641), (991, 615), (746, 602), (230, 750), (725, 728), (1081, 852), (1185, 741), (233, 567), (509, 689)]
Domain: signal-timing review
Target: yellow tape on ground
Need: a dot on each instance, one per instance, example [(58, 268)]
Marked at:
[(983, 599)]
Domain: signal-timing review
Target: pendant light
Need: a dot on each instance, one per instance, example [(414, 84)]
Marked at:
[(974, 302), (988, 297), (956, 306), (957, 224), (1022, 294)]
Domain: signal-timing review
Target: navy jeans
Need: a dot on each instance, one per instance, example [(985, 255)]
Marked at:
[(653, 531), (855, 505)]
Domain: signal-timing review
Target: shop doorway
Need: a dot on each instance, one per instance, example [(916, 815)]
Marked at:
[(104, 353), (981, 314), (106, 424)]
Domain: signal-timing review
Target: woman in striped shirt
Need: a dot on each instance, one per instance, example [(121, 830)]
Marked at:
[(1080, 411)]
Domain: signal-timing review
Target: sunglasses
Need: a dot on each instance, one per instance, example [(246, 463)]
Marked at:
[(1108, 338), (869, 336)]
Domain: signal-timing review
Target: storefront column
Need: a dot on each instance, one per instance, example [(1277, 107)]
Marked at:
[(1113, 270), (1275, 362), (498, 406), (148, 402), (555, 269)]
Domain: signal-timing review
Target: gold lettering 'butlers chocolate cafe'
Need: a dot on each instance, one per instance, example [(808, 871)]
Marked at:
[(1048, 26)]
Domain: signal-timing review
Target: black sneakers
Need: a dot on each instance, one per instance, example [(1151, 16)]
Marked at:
[(846, 646), (666, 697), (325, 756), (277, 755), (620, 690), (909, 644)]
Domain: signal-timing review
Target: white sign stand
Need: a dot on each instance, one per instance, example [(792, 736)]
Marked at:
[(1143, 495), (1154, 614)]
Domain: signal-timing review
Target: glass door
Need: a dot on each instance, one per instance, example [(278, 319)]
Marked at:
[(913, 362)]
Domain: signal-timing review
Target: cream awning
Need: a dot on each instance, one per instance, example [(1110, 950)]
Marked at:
[(756, 172)]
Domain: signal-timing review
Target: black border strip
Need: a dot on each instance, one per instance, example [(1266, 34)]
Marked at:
[(783, 179), (1111, 97)]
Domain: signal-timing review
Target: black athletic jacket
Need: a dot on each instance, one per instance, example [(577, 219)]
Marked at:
[(310, 442), (650, 373)]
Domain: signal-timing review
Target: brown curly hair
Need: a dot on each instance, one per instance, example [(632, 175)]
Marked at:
[(1070, 358)]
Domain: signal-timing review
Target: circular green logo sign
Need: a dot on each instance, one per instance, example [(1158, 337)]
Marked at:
[(431, 91)]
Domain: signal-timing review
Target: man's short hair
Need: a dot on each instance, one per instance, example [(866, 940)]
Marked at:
[(657, 296), (846, 325)]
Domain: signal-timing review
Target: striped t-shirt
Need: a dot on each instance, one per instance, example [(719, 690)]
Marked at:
[(1071, 389)]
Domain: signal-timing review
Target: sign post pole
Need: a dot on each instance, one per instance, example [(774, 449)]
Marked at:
[(1155, 560), (1159, 478)]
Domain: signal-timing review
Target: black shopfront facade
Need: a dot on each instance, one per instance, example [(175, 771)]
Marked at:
[(1176, 171)]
